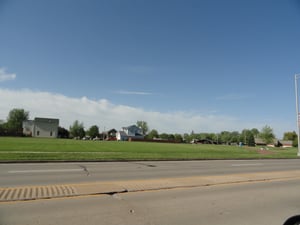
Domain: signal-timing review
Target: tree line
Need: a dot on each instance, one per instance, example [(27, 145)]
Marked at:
[(13, 125), (247, 136), (225, 137), (15, 118)]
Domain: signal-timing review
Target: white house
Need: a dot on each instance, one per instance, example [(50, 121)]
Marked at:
[(41, 127), (133, 132)]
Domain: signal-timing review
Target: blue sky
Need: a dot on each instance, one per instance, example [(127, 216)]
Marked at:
[(209, 65)]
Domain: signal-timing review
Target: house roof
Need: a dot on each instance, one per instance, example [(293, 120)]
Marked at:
[(135, 126), (110, 131), (286, 143), (259, 141), (46, 120)]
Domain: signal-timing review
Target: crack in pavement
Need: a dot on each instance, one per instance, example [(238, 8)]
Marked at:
[(143, 164), (123, 186), (85, 170)]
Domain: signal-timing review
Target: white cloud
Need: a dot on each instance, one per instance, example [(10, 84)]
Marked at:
[(106, 114), (4, 76)]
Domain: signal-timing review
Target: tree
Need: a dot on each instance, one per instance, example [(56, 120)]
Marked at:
[(251, 140), (171, 137), (2, 129), (143, 125), (81, 132), (291, 136), (93, 131), (206, 136), (266, 134), (152, 134), (187, 137), (235, 135), (225, 137), (15, 119), (295, 142), (164, 136), (63, 133), (247, 137), (178, 138), (77, 130), (255, 132), (192, 136)]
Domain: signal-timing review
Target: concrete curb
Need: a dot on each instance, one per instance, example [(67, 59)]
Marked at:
[(137, 160)]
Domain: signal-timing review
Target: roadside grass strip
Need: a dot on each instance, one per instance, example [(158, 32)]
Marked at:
[(42, 149)]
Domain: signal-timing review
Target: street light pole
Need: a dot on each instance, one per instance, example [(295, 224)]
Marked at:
[(297, 76)]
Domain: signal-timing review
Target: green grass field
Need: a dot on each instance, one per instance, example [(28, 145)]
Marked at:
[(37, 149)]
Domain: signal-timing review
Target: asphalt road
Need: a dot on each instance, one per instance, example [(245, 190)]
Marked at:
[(68, 173), (262, 203), (256, 202)]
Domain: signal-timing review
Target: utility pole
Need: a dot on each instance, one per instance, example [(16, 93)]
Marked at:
[(297, 76)]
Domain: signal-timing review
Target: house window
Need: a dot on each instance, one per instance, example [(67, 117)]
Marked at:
[(38, 133)]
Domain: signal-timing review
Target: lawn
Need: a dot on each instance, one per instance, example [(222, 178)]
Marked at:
[(37, 149)]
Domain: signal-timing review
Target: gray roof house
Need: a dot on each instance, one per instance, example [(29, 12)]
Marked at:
[(41, 127), (131, 132)]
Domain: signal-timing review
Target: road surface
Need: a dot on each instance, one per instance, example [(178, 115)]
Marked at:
[(64, 173), (262, 203), (256, 202)]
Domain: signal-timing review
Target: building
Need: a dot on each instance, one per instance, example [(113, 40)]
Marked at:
[(286, 144), (131, 132), (275, 143), (41, 127), (110, 135), (259, 142)]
